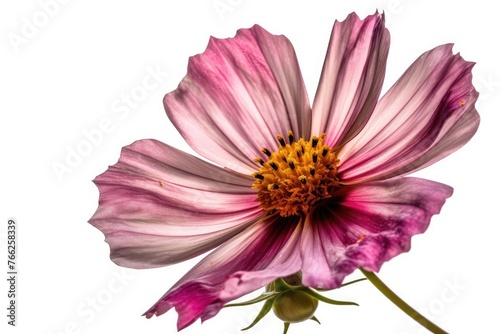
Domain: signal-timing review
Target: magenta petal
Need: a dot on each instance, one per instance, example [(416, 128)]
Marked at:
[(238, 95), (257, 256), (352, 77), (159, 205), (286, 263), (428, 114), (366, 225)]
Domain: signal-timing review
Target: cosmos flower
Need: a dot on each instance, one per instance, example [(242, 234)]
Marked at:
[(287, 188)]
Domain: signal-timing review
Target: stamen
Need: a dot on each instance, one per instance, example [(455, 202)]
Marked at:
[(272, 164), (314, 142), (312, 171), (290, 136), (266, 152), (281, 140), (259, 176), (303, 179), (325, 151), (292, 165), (259, 160), (315, 158)]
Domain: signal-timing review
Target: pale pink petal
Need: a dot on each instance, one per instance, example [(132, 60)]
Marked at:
[(352, 77), (425, 116), (457, 136), (365, 226), (255, 257), (238, 95), (159, 205)]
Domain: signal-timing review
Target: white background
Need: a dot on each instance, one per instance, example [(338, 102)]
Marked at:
[(67, 75)]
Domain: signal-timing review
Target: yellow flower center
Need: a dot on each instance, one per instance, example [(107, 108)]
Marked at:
[(297, 176)]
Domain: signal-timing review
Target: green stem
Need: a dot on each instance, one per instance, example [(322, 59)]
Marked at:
[(401, 303)]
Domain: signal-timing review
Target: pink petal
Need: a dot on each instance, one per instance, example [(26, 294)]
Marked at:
[(366, 225), (428, 114), (159, 205), (257, 256), (352, 77), (238, 95)]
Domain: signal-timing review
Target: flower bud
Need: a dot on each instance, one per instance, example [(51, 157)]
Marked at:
[(294, 306)]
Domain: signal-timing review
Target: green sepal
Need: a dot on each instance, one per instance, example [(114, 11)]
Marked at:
[(268, 305), (262, 297), (287, 325), (343, 285), (352, 282), (280, 285), (322, 298), (315, 319)]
